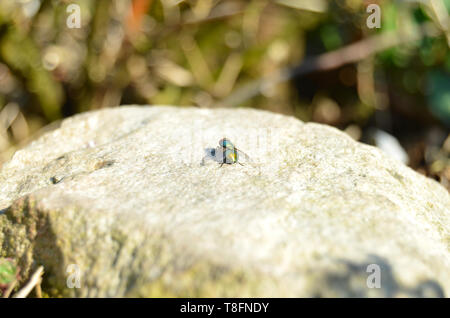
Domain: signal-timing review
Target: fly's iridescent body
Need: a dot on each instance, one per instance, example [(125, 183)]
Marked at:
[(226, 153)]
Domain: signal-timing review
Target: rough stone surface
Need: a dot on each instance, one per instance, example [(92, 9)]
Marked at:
[(122, 194)]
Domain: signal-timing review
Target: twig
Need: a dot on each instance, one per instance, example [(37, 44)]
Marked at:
[(327, 61), (34, 280), (10, 289), (38, 289)]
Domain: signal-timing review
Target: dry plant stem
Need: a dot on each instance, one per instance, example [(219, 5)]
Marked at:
[(10, 289), (351, 53), (34, 280), (38, 289)]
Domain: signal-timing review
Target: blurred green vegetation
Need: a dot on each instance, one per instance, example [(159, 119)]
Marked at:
[(8, 274), (200, 52)]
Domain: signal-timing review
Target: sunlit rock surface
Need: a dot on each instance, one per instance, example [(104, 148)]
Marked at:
[(122, 194)]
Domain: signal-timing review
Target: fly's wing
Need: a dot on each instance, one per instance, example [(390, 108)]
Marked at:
[(243, 154)]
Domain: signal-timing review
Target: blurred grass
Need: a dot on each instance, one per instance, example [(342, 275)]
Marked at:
[(201, 52)]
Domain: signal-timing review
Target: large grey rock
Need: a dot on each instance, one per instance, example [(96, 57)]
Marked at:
[(122, 194)]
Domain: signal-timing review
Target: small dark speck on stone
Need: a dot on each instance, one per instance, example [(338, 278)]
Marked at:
[(103, 164), (56, 179)]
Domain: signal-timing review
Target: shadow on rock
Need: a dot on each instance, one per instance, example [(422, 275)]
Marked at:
[(354, 282)]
